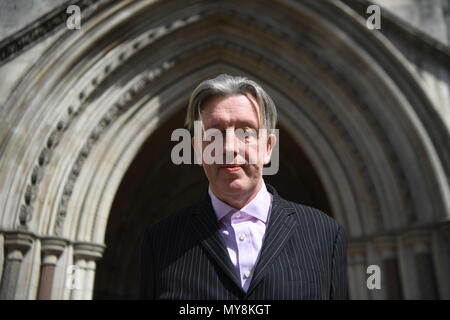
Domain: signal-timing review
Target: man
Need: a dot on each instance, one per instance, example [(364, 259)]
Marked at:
[(243, 241)]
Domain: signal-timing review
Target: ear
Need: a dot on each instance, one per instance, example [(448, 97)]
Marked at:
[(197, 151), (271, 141)]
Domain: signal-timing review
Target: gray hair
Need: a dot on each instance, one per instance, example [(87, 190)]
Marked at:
[(226, 85)]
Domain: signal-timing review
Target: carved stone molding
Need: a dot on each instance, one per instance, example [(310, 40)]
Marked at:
[(74, 111), (124, 103), (42, 28)]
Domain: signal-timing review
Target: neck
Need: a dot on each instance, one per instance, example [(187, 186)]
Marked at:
[(241, 200)]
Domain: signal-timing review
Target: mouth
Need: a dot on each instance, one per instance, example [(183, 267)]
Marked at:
[(231, 167)]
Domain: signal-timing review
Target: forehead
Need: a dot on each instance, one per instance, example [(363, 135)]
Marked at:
[(230, 110)]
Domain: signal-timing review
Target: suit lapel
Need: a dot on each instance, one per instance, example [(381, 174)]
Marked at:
[(278, 232), (206, 228)]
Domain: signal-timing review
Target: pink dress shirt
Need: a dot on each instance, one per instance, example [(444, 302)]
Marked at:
[(243, 231)]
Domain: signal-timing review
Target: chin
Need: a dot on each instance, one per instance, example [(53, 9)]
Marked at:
[(235, 186)]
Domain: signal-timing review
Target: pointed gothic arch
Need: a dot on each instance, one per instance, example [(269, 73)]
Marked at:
[(79, 116)]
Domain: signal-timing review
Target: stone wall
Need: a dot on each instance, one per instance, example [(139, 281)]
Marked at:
[(17, 14), (430, 17), (77, 106)]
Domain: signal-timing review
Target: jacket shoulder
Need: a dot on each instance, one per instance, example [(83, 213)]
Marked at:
[(172, 221), (323, 230), (313, 217)]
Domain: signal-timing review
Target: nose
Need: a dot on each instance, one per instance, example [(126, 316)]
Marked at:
[(230, 146)]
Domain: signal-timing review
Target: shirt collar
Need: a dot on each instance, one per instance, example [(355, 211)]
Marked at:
[(259, 207)]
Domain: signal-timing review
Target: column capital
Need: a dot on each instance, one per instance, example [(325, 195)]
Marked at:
[(445, 229), (419, 239), (53, 245), (357, 247), (18, 241), (386, 245), (356, 251), (88, 251)]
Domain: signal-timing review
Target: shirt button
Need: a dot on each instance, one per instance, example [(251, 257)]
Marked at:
[(247, 274), (237, 215), (242, 237)]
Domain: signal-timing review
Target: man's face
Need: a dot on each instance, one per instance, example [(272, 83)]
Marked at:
[(238, 119)]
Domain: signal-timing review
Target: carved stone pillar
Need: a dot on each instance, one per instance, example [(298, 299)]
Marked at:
[(357, 270), (51, 250), (85, 255), (442, 259), (445, 228), (420, 241), (387, 247), (16, 244)]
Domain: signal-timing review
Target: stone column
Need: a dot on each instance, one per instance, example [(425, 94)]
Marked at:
[(51, 251), (387, 247), (420, 241), (16, 244), (2, 255), (85, 255), (78, 274), (357, 270), (89, 279)]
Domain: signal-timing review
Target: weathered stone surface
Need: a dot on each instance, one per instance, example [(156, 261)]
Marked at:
[(86, 118)]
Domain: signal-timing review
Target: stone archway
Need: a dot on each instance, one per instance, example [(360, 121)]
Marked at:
[(81, 114)]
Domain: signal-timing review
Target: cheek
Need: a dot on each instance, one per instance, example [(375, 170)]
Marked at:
[(250, 153), (254, 156), (207, 168), (252, 171), (211, 171)]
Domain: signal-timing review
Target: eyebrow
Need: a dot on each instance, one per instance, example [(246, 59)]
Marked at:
[(239, 123)]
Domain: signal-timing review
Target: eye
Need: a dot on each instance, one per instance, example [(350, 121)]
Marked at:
[(212, 134), (250, 132), (246, 134)]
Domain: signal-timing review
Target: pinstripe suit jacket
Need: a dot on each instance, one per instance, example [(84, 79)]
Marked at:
[(303, 256)]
